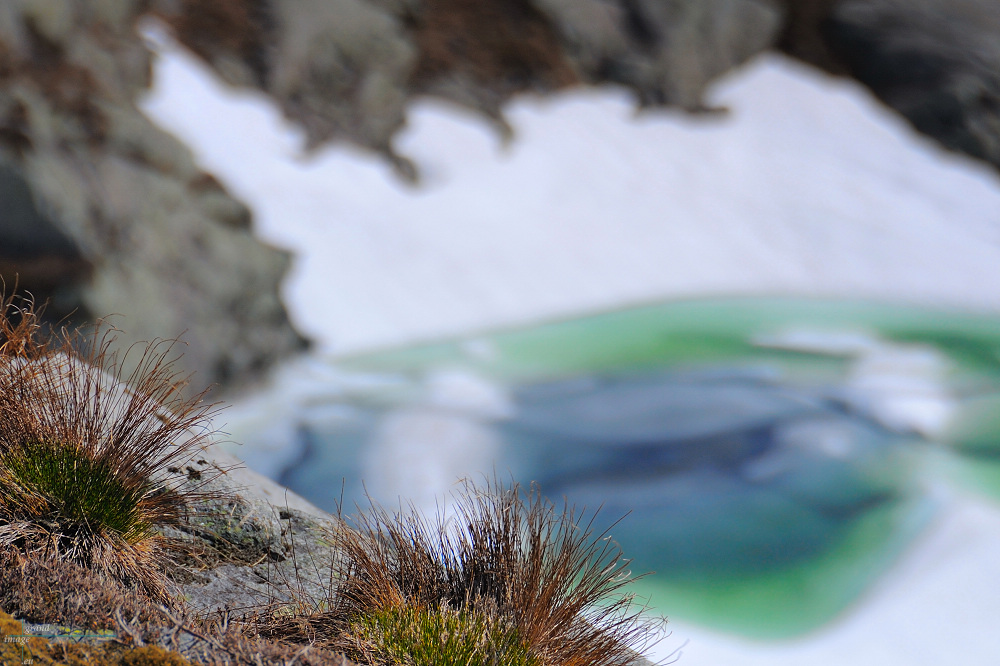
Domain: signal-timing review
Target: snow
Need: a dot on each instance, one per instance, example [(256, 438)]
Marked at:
[(805, 186), (938, 606)]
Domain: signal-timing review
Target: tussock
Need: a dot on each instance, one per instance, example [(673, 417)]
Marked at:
[(83, 461), (89, 482), (508, 571)]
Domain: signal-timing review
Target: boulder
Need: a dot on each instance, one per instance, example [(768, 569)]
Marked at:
[(106, 213)]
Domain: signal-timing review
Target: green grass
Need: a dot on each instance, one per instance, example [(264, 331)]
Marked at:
[(86, 448), (507, 574), (412, 636), (75, 488)]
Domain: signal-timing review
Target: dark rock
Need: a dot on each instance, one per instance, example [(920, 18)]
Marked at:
[(803, 35), (937, 62), (35, 256)]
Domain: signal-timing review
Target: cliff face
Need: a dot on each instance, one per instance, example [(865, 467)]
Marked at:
[(103, 212), (345, 69)]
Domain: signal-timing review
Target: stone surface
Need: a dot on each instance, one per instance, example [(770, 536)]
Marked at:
[(255, 544), (668, 52), (937, 62), (109, 214)]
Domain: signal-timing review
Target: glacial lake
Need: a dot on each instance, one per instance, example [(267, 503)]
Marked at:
[(769, 459)]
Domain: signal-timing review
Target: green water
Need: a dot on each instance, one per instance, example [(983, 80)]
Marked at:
[(695, 332), (797, 599), (974, 439), (798, 594)]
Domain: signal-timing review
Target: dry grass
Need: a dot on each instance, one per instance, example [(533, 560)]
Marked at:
[(83, 460), (65, 593), (86, 490), (508, 563)]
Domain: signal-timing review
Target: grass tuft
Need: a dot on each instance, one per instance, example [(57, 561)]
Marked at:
[(411, 635), (85, 448), (507, 575)]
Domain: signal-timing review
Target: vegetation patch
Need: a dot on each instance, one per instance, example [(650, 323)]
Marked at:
[(107, 506), (506, 575), (408, 635), (85, 448)]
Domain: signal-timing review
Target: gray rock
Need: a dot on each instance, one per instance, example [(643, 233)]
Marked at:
[(668, 52), (120, 220), (255, 542), (345, 70), (936, 62)]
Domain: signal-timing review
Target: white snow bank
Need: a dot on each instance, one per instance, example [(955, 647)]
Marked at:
[(806, 186)]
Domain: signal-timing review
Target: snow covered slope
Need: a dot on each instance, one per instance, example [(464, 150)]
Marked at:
[(806, 186)]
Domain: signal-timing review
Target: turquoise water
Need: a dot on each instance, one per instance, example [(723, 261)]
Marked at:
[(760, 448)]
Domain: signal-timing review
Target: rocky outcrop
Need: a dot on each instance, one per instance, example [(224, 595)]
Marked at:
[(934, 61), (345, 69), (106, 213), (667, 52), (937, 62)]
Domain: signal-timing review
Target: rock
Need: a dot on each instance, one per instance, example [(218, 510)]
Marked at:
[(479, 54), (118, 217), (802, 34), (668, 52), (256, 542), (937, 62), (35, 255), (346, 70)]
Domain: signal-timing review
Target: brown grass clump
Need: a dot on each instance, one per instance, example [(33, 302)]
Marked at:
[(59, 592), (508, 581), (82, 458)]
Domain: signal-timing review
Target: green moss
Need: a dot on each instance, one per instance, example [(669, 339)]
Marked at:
[(421, 637)]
